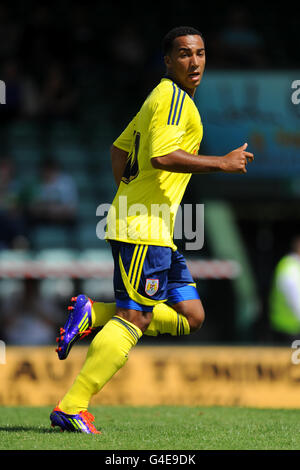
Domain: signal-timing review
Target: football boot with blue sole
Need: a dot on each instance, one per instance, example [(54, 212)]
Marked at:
[(81, 422), (78, 325)]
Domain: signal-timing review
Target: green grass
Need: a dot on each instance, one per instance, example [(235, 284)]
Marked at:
[(155, 428)]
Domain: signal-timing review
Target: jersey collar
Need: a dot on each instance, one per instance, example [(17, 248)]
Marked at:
[(166, 78)]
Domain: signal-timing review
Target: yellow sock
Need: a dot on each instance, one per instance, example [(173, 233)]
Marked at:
[(107, 353), (164, 319), (102, 312)]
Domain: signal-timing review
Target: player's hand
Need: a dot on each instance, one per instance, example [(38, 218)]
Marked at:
[(236, 161)]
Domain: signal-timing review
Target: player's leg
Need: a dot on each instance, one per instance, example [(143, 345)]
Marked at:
[(161, 269), (183, 295), (149, 286), (193, 311), (107, 353), (109, 350), (86, 314), (165, 319), (137, 317)]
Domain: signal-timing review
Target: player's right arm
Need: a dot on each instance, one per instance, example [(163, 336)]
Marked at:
[(180, 161), (119, 151), (119, 159)]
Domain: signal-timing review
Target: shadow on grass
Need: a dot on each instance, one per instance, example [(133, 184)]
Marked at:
[(38, 429)]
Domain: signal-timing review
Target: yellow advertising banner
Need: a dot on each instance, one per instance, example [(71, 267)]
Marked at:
[(232, 376)]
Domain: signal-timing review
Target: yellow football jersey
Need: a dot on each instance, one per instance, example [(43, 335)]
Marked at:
[(145, 206)]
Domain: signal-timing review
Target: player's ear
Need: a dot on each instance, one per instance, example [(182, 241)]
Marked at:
[(167, 60)]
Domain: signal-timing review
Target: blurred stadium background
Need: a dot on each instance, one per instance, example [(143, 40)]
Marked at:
[(75, 74)]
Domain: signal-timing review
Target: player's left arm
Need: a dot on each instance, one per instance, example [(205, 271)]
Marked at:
[(166, 139), (118, 160), (180, 161)]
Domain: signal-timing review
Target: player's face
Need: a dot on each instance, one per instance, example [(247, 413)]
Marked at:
[(186, 62)]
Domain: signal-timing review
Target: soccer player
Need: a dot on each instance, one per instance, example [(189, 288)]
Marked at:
[(152, 161)]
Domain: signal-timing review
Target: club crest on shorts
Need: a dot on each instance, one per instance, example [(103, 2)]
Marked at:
[(151, 286)]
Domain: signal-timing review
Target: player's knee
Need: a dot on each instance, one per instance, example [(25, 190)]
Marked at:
[(140, 319), (196, 318), (145, 320)]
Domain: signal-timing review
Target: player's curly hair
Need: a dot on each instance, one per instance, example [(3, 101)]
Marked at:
[(167, 42)]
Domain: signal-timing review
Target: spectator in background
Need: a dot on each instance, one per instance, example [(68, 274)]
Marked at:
[(53, 198), (128, 49), (12, 223), (13, 83), (128, 55), (58, 98), (83, 33), (10, 33), (28, 319), (238, 44), (285, 297), (43, 38), (21, 93)]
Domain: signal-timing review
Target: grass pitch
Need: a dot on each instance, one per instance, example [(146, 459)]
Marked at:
[(155, 428)]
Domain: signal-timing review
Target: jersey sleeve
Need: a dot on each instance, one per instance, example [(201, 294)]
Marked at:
[(168, 124), (124, 141)]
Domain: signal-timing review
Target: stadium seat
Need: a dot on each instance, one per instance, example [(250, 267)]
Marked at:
[(26, 157), (99, 255), (104, 186), (63, 132), (61, 287), (69, 155), (87, 209), (87, 237), (98, 289), (23, 130), (50, 237), (55, 255), (57, 288), (81, 178), (11, 256), (10, 288)]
